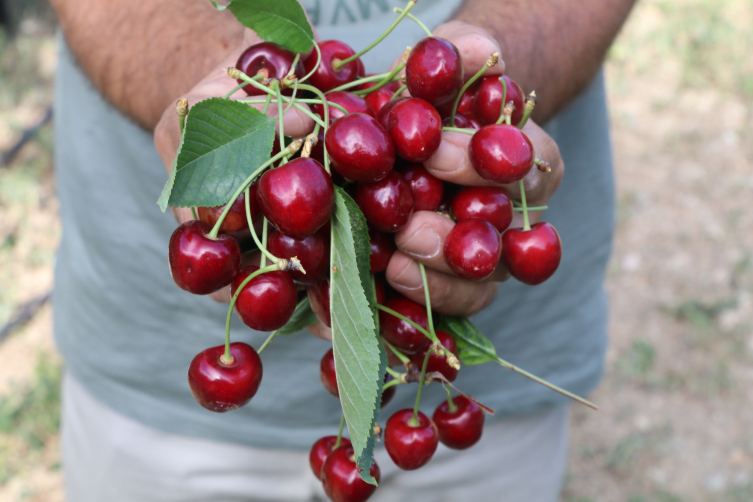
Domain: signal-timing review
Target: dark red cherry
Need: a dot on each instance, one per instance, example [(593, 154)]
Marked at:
[(488, 203), (326, 77), (379, 98), (415, 128), (434, 71), (389, 393), (472, 249), (267, 302), (532, 257), (319, 298), (501, 153), (381, 294), (462, 122), (398, 332), (427, 190), (269, 59), (387, 204), (450, 191), (410, 447), (465, 106), (341, 480), (437, 363), (383, 115), (359, 148), (382, 248), (351, 102), (222, 387), (462, 428), (235, 220), (327, 373), (312, 252), (321, 450), (199, 264), (487, 104), (297, 198)]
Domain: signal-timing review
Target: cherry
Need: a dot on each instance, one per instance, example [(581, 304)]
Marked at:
[(465, 106), (462, 428), (235, 220), (270, 59), (379, 98), (398, 332), (434, 71), (488, 203), (321, 450), (410, 447), (327, 373), (351, 102), (341, 480), (415, 128), (298, 197), (201, 265), (379, 288), (382, 248), (427, 190), (472, 249), (487, 104), (532, 256), (450, 192), (387, 204), (312, 252), (359, 148), (501, 153), (220, 386), (437, 363), (326, 77), (388, 393), (319, 298), (383, 115), (462, 122), (267, 302)]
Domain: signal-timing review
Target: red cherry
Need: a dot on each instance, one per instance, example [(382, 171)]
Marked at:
[(462, 428), (267, 302), (487, 104), (319, 298), (297, 198), (379, 98), (450, 191), (465, 106), (415, 128), (437, 363), (434, 71), (235, 220), (462, 122), (380, 290), (321, 450), (532, 257), (488, 203), (383, 115), (359, 148), (312, 252), (427, 190), (472, 249), (398, 332), (501, 153), (270, 59), (224, 387), (327, 373), (341, 480), (410, 447), (382, 248), (386, 204), (351, 102), (326, 78), (199, 264)]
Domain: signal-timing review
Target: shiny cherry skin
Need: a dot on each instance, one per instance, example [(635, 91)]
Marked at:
[(434, 71), (327, 373), (415, 128), (235, 220), (297, 198), (379, 98), (326, 78), (267, 302), (492, 204), (341, 480), (201, 265), (472, 249), (222, 387), (383, 115), (532, 257), (360, 149), (398, 332), (312, 252), (321, 450), (465, 106), (487, 104), (387, 204), (270, 59), (319, 298), (353, 103), (427, 190), (501, 153), (462, 428), (382, 249), (437, 363), (410, 447), (462, 122)]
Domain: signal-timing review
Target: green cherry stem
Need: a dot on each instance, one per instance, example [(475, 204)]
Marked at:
[(325, 104), (428, 301), (292, 99), (450, 404), (263, 249), (280, 117), (413, 422), (264, 227), (398, 10), (267, 341), (193, 212), (266, 104), (393, 382), (356, 83), (504, 100), (316, 66), (490, 63), (403, 318), (526, 223), (529, 106), (392, 372), (387, 80), (458, 129), (399, 92), (530, 208), (403, 358), (340, 431), (241, 86), (256, 101)]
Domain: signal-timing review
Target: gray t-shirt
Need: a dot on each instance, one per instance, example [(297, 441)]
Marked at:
[(128, 333)]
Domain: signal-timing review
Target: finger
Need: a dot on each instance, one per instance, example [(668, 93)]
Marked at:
[(475, 45), (319, 330)]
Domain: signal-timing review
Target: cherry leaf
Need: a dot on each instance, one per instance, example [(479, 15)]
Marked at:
[(303, 317), (474, 348)]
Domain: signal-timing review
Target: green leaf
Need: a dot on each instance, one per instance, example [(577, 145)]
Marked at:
[(474, 347), (168, 189), (223, 143), (359, 357), (283, 22), (303, 317)]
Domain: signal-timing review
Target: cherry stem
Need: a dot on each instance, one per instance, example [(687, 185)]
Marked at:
[(531, 208), (392, 383), (398, 10), (316, 66), (292, 100), (403, 358), (267, 341), (490, 63), (428, 301), (339, 64), (193, 212), (256, 101), (399, 92), (266, 103), (386, 81), (526, 223), (340, 431), (280, 117), (264, 242), (325, 104), (356, 83), (262, 248), (413, 422), (450, 403), (238, 87), (392, 372), (291, 71), (458, 129), (504, 100), (403, 318)]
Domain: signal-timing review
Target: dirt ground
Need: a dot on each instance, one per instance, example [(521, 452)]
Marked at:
[(675, 423)]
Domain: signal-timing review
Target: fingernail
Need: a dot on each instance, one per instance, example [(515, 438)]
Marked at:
[(409, 278), (423, 244)]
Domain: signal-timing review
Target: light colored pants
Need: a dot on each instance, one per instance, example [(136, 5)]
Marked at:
[(110, 458)]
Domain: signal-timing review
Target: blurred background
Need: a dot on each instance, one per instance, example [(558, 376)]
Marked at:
[(676, 418)]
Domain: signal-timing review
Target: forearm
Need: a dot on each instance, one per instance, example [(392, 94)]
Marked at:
[(143, 55), (554, 47)]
